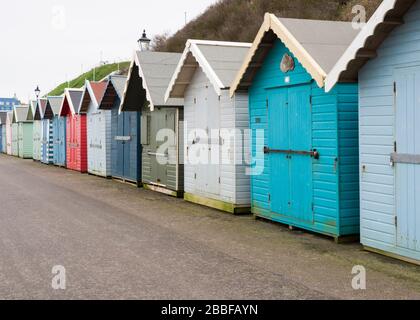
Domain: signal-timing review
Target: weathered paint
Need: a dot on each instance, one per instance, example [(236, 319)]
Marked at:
[(99, 141), (25, 140), (59, 148), (320, 195), (225, 182), (163, 172), (390, 202), (125, 153)]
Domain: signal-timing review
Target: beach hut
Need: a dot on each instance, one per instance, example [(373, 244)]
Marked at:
[(304, 140), (161, 122), (47, 137), (59, 131), (22, 126), (15, 132), (76, 145), (215, 124), (36, 129), (125, 134), (9, 122), (98, 129), (385, 60), (3, 120)]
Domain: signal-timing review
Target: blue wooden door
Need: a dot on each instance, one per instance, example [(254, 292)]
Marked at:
[(117, 144), (407, 158), (131, 152), (290, 144), (62, 141)]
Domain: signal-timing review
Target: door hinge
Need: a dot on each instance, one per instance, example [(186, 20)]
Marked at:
[(269, 197), (395, 146), (266, 103), (395, 88), (220, 180), (313, 207), (396, 221), (195, 176)]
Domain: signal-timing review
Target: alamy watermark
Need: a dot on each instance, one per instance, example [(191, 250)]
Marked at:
[(58, 281), (359, 278)]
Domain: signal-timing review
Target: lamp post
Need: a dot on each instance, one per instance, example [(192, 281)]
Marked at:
[(144, 42), (37, 92)]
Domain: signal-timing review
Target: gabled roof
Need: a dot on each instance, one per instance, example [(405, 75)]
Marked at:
[(317, 44), (19, 113), (72, 99), (3, 117), (114, 89), (30, 113), (148, 78), (41, 105), (94, 91), (55, 104), (220, 61), (387, 17)]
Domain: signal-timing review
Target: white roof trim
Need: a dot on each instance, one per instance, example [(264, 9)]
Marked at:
[(358, 43), (271, 22), (88, 88), (130, 72), (67, 96), (143, 81), (192, 47)]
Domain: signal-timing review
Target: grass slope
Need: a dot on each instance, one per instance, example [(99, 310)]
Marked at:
[(100, 73)]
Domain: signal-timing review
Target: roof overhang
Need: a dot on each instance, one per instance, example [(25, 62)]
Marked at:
[(191, 59), (260, 48), (67, 99), (136, 90), (386, 18)]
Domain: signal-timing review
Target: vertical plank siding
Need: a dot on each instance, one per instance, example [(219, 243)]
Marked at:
[(334, 136), (234, 184), (377, 135)]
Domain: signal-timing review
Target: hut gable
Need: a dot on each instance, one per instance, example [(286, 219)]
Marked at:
[(148, 78), (55, 104), (93, 93), (218, 60), (71, 102), (20, 113), (114, 89), (317, 44), (364, 47)]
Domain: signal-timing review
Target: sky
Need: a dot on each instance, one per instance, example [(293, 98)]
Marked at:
[(51, 41)]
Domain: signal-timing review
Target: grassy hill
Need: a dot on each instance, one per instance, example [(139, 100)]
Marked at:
[(98, 74), (239, 20)]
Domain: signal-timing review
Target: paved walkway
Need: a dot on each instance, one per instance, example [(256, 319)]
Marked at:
[(120, 242)]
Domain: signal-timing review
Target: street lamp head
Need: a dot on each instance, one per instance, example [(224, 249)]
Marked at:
[(37, 91), (144, 42)]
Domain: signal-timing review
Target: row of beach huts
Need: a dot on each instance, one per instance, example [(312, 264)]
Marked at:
[(315, 125)]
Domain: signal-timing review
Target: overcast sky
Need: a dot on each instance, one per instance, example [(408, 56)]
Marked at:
[(43, 42)]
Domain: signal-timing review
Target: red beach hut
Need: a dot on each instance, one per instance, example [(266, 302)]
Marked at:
[(76, 134)]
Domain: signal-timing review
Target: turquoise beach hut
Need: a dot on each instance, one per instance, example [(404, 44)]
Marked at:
[(304, 140)]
